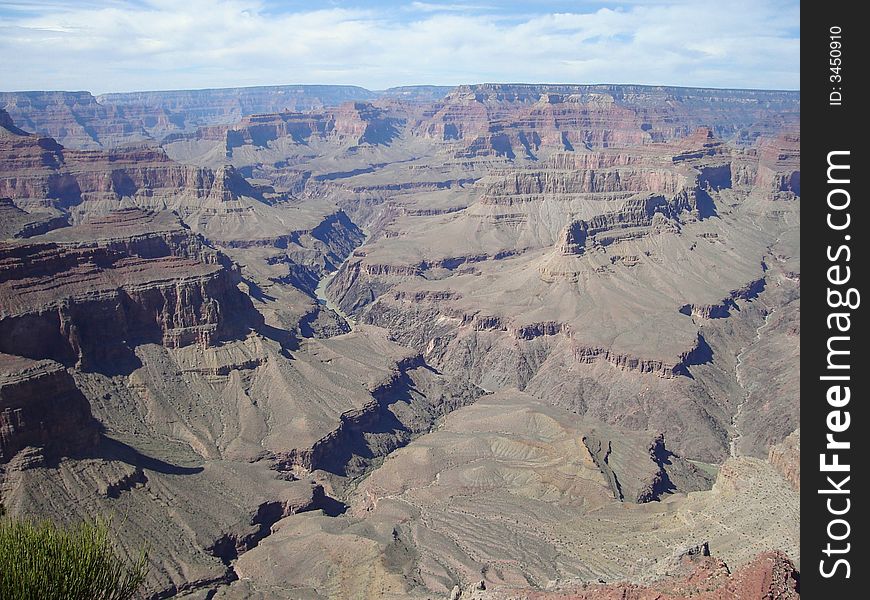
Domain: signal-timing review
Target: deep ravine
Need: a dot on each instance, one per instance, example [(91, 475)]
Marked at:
[(736, 435), (320, 290)]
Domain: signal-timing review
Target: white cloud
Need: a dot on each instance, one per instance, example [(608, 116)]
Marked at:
[(433, 7), (161, 44)]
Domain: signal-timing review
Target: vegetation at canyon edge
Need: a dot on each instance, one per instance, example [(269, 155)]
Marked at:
[(39, 559)]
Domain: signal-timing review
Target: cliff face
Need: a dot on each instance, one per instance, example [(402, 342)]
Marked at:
[(7, 125), (77, 120), (786, 457), (522, 120), (486, 124), (779, 164), (82, 299), (514, 186), (41, 407), (636, 215), (82, 121), (38, 171), (350, 124)]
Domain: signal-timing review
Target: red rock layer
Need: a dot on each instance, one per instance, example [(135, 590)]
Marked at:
[(351, 123), (39, 170), (770, 576), (511, 120), (78, 120), (786, 457), (780, 164)]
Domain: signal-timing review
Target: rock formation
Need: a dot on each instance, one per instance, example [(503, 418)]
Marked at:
[(770, 575), (492, 341), (114, 282), (82, 121), (41, 407), (78, 120), (515, 120), (17, 223), (786, 457), (38, 172)]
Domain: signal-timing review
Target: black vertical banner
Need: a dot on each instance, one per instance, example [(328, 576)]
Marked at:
[(835, 225)]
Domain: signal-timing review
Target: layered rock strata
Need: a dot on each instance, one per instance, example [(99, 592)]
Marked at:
[(83, 299), (41, 407)]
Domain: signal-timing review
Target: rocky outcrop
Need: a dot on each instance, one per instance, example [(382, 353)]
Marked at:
[(41, 407), (636, 478), (523, 120), (16, 223), (698, 576), (142, 233), (626, 362), (786, 457), (451, 339), (362, 123), (779, 167), (374, 430), (634, 219), (722, 309), (492, 121), (77, 120), (82, 299), (530, 186), (308, 254), (37, 171), (7, 125), (230, 545), (701, 144), (349, 124)]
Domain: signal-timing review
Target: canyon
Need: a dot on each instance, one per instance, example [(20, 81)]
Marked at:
[(492, 341)]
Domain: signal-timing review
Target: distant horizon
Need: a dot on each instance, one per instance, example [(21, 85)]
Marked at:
[(395, 87), (158, 45)]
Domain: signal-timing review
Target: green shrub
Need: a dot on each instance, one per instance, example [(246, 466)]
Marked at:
[(41, 561)]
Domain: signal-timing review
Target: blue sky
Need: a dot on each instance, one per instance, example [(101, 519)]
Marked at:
[(121, 45)]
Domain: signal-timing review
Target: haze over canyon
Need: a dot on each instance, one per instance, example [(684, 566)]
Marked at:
[(482, 342)]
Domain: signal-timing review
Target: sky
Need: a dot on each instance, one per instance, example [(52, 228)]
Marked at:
[(127, 45)]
